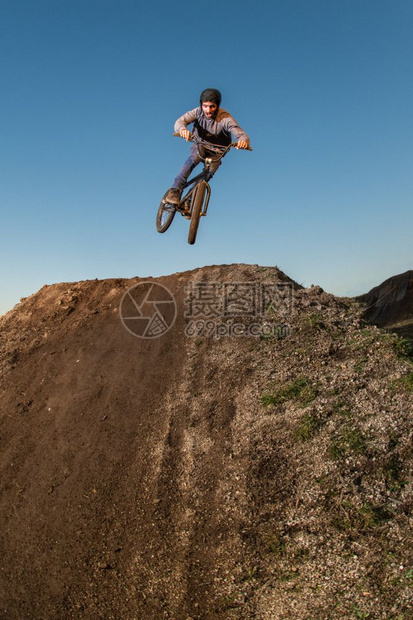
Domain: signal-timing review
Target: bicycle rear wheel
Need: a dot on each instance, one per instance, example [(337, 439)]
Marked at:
[(197, 204), (165, 215)]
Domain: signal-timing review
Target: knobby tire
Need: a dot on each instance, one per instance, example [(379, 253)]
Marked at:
[(165, 215), (197, 203)]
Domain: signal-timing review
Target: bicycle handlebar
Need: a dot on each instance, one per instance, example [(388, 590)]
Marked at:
[(221, 149)]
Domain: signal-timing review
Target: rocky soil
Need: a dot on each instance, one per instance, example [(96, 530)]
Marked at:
[(204, 473)]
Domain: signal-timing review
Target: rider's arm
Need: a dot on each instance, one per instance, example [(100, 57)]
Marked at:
[(186, 119), (237, 134)]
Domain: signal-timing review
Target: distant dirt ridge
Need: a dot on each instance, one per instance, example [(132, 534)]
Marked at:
[(390, 304)]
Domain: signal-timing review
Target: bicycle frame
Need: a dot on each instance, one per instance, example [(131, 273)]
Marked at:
[(204, 175)]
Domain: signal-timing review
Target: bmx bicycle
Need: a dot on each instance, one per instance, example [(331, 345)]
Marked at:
[(194, 203)]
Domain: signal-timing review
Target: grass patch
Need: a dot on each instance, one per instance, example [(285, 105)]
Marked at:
[(392, 471), (403, 348), (360, 614), (340, 408), (361, 518), (308, 426), (300, 390), (288, 575), (316, 321), (359, 367), (350, 441), (405, 382)]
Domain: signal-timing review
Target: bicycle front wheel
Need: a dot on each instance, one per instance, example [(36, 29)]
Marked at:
[(165, 215), (197, 204)]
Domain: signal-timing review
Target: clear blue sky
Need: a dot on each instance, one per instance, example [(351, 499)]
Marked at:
[(90, 90)]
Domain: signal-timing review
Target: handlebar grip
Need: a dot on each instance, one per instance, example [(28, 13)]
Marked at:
[(249, 148), (190, 139)]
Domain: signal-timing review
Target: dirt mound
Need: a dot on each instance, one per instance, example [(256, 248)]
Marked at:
[(250, 459)]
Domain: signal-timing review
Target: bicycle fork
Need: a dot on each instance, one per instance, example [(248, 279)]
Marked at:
[(207, 196)]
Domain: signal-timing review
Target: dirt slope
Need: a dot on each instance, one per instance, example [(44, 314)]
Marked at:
[(201, 477)]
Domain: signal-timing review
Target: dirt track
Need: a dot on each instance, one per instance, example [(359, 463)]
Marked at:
[(148, 478)]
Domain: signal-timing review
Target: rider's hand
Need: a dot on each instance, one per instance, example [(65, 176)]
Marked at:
[(184, 133), (242, 144)]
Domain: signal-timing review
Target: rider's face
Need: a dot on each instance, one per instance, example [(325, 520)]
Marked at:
[(209, 108)]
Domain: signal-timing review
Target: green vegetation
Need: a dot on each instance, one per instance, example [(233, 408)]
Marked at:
[(340, 408), (287, 575), (309, 425), (392, 471), (405, 383), (316, 321), (300, 390), (351, 440), (361, 518), (359, 614), (364, 338), (359, 367), (251, 573), (403, 348)]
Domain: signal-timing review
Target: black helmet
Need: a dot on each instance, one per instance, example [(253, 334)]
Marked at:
[(210, 94)]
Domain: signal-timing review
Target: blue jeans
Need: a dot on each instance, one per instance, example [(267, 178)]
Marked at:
[(192, 161)]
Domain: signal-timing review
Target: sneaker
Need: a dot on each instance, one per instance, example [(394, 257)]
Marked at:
[(173, 196)]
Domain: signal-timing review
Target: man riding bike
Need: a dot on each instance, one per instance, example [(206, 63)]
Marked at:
[(212, 124)]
